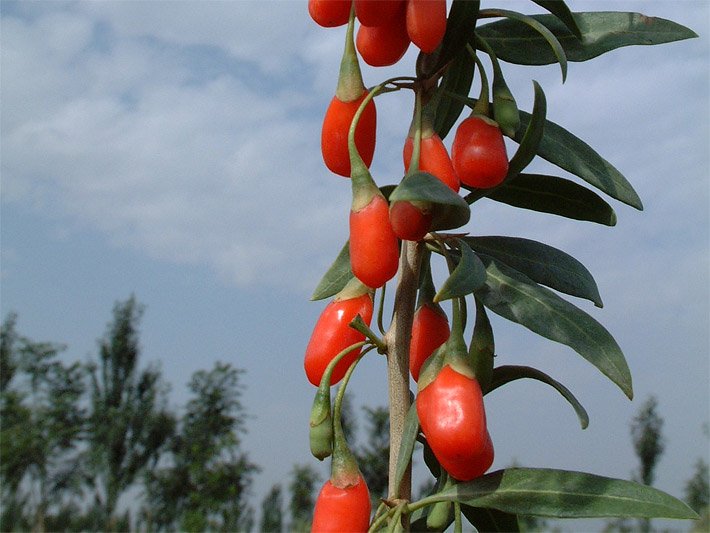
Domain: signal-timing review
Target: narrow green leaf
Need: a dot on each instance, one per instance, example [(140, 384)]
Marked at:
[(562, 148), (565, 494), (557, 196), (533, 136), (456, 80), (491, 519), (507, 373), (336, 277), (449, 210), (409, 438), (553, 44), (459, 29), (602, 31), (562, 12), (516, 297), (542, 263), (469, 275)]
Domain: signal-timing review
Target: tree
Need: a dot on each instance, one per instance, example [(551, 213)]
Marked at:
[(207, 483), (272, 511), (646, 433), (42, 419), (697, 494), (128, 421)]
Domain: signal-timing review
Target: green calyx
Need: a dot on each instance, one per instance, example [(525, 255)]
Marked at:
[(441, 513), (350, 84), (321, 424)]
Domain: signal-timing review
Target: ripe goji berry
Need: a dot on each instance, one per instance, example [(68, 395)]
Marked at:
[(410, 221), (385, 44), (426, 23), (374, 250), (332, 334), (433, 158), (478, 153), (453, 420), (330, 13), (340, 509), (430, 329), (376, 12)]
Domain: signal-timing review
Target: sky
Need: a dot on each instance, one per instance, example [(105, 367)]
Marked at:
[(171, 150)]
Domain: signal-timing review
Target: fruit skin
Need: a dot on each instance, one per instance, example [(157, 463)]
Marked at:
[(334, 135), (409, 221), (329, 13), (332, 334), (374, 250), (430, 329), (426, 23), (340, 510), (374, 13), (453, 420), (478, 153), (433, 158), (384, 45)]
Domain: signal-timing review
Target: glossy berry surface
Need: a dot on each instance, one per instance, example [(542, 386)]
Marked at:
[(426, 23), (384, 45), (374, 249), (430, 329), (332, 334), (478, 153), (453, 420), (433, 158), (334, 134), (329, 13), (340, 510)]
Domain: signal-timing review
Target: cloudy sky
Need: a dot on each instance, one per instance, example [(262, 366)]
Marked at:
[(171, 150)]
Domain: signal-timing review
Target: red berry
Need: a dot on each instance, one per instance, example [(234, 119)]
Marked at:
[(478, 153), (453, 420), (338, 510), (426, 23), (433, 158), (332, 334), (329, 13), (410, 222), (334, 135), (377, 12), (430, 329), (384, 45), (374, 250)]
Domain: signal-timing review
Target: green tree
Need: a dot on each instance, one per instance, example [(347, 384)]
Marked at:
[(697, 494), (128, 423), (272, 511), (207, 484), (41, 423), (302, 488)]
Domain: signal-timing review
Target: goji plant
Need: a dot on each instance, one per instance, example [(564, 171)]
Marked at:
[(417, 221)]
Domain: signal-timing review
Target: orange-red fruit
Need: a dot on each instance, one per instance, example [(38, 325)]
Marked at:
[(374, 250), (410, 222), (334, 135), (426, 23), (339, 510), (332, 334), (478, 153), (376, 12), (430, 329), (329, 13), (453, 421), (384, 45), (433, 158)]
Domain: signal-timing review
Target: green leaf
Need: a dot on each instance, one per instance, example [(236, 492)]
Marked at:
[(491, 519), (449, 210), (562, 12), (541, 263), (336, 277), (602, 32), (553, 44), (456, 80), (562, 148), (507, 373), (409, 438), (469, 275), (564, 494), (557, 196), (459, 29), (533, 136), (516, 297)]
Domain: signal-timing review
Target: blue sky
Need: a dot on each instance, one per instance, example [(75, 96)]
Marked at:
[(171, 150)]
